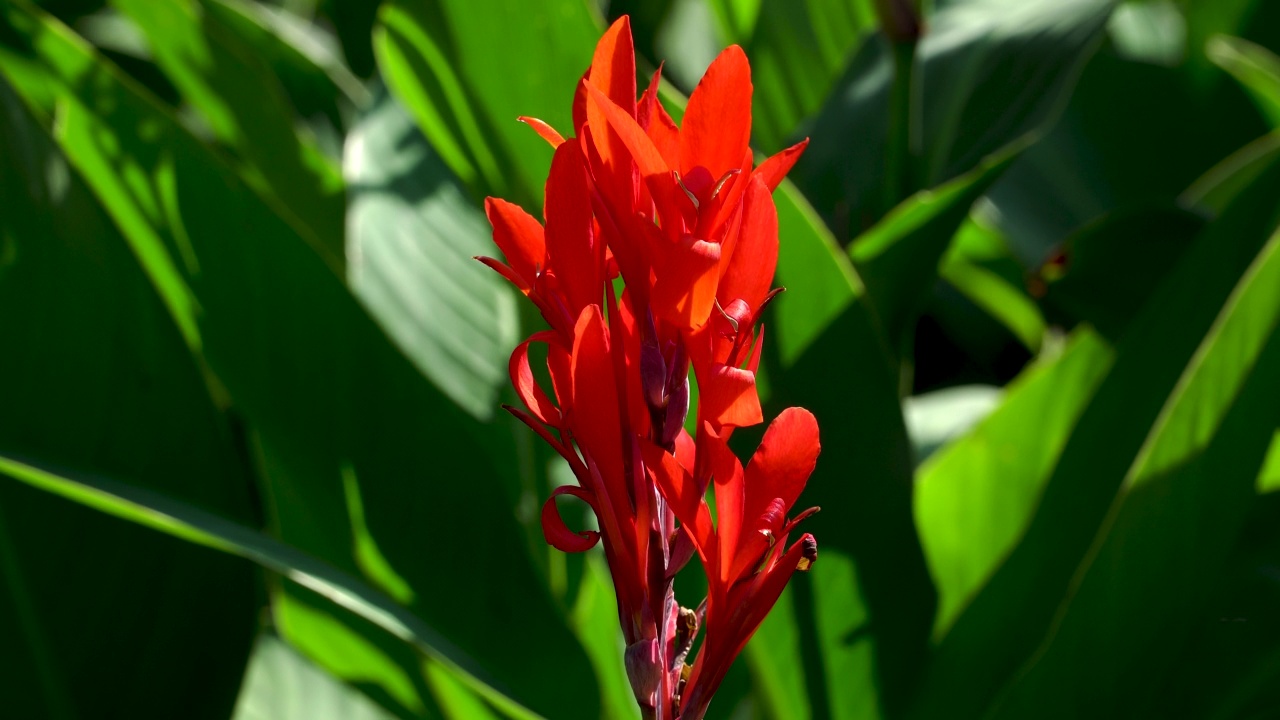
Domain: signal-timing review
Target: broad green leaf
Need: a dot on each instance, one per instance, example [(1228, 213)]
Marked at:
[(322, 388), (1254, 67), (798, 50), (1001, 628), (1152, 567), (242, 101), (975, 498), (412, 234), (280, 684), (988, 73), (439, 59), (96, 375), (193, 525)]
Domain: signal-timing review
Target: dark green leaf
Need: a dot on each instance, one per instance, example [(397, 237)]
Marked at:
[(988, 73), (798, 50), (242, 101), (1159, 554), (193, 525), (98, 616), (1001, 628), (439, 59), (324, 391)]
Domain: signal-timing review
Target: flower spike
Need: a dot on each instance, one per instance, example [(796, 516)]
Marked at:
[(685, 219)]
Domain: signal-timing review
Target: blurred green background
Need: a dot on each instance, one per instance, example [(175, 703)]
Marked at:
[(251, 458)]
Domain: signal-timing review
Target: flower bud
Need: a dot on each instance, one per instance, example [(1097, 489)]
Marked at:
[(644, 670)]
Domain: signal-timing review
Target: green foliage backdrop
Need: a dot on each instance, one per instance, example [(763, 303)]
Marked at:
[(251, 463)]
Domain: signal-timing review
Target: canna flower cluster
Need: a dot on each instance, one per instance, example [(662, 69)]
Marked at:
[(687, 221)]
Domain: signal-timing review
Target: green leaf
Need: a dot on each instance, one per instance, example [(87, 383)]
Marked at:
[(936, 418), (1256, 68), (1001, 628), (1160, 552), (975, 498), (988, 73), (412, 234), (323, 389), (193, 525), (777, 663), (899, 257), (798, 50), (1230, 665), (439, 59), (242, 101), (97, 376), (280, 684), (826, 328), (1214, 190)]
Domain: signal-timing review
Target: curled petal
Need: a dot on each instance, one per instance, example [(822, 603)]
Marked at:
[(526, 387), (544, 130), (557, 534)]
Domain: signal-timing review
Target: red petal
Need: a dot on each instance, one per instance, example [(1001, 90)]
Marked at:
[(783, 462), (727, 397), (613, 66), (519, 236), (595, 420), (730, 495), (511, 275), (526, 387), (605, 118), (653, 117), (557, 534), (755, 255), (638, 144), (569, 229), (717, 123), (685, 290), (772, 170), (544, 130), (679, 489)]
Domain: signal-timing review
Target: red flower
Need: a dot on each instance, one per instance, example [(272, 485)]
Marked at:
[(690, 226)]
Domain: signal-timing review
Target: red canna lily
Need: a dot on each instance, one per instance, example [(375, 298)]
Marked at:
[(689, 224)]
